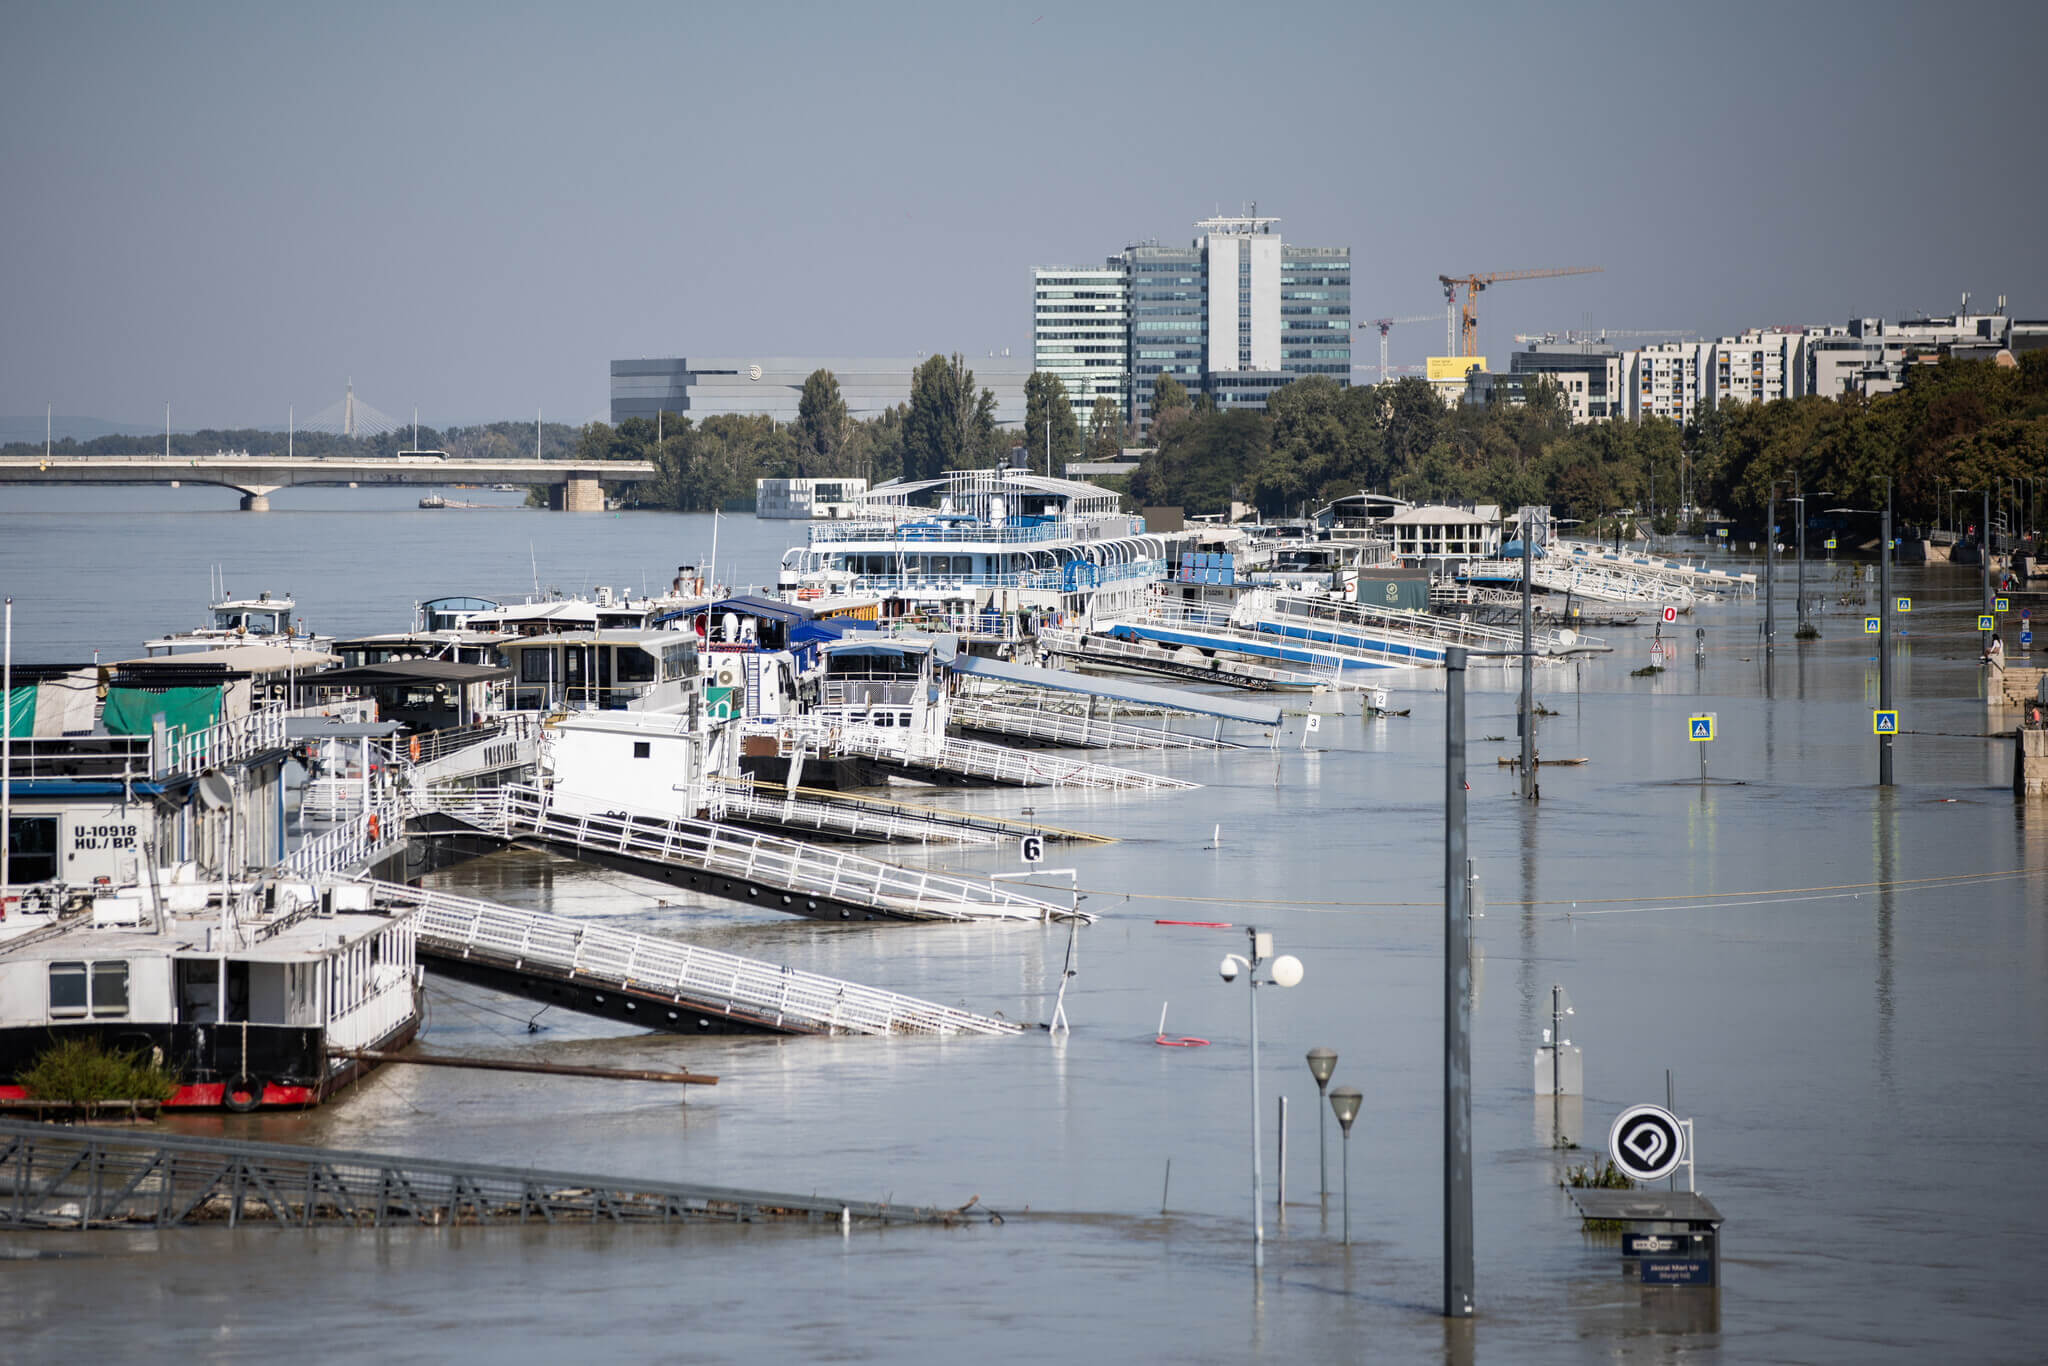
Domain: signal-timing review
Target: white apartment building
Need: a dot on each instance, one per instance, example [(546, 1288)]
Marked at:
[(1664, 380), (1080, 331), (1756, 367)]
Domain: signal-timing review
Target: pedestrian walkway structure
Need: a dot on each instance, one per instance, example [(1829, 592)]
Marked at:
[(1600, 575), (650, 981), (954, 759), (70, 1177), (740, 865), (1064, 730), (745, 801)]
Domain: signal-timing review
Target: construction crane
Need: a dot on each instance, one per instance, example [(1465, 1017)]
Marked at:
[(1472, 284), (1386, 325), (1598, 334)]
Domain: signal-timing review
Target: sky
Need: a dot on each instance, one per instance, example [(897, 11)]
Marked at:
[(473, 209)]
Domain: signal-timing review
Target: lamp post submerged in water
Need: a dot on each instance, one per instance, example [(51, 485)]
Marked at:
[(1286, 972), (1322, 1062), (1345, 1101)]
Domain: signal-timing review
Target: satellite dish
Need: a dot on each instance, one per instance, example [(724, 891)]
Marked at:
[(215, 791)]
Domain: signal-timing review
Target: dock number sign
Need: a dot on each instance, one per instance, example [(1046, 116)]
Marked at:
[(1670, 614), (1884, 723), (1647, 1142), (1033, 848), (1870, 626), (1702, 726)]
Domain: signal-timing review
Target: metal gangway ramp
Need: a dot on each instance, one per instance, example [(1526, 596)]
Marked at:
[(848, 816), (1329, 620), (997, 764), (741, 865), (657, 983), (58, 1176), (1069, 730)]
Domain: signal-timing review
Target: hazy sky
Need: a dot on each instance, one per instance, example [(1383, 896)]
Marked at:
[(474, 208)]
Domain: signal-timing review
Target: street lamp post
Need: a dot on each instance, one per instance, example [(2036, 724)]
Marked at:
[(1345, 1101), (1770, 564), (1321, 1063), (1286, 972), (1884, 628)]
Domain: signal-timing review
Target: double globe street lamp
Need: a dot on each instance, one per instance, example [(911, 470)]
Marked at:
[(1285, 972)]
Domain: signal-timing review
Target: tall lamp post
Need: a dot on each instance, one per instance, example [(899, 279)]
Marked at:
[(1286, 972), (1884, 629), (1345, 1101), (1322, 1062)]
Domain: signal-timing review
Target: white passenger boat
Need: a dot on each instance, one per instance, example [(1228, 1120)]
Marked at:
[(261, 620), (982, 552)]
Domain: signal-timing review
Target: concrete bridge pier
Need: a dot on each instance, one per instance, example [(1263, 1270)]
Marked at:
[(580, 492), (257, 499)]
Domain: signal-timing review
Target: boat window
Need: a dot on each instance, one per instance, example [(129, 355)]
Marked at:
[(643, 749), (904, 719), (31, 849), (110, 987), (887, 718), (635, 666), (67, 990), (533, 665)]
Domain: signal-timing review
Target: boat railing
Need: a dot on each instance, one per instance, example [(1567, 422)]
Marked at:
[(358, 841), (78, 757), (786, 997), (389, 1004), (1420, 625), (916, 526), (224, 743), (997, 763)]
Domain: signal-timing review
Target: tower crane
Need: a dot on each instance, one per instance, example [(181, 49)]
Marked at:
[(1472, 284), (1386, 325)]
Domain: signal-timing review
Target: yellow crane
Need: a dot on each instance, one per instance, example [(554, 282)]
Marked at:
[(1466, 322)]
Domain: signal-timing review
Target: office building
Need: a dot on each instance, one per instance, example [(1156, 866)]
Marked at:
[(1235, 314), (772, 386), (1587, 374), (1080, 331)]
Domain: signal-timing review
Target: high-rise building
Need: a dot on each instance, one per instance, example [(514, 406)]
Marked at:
[(1080, 331), (1235, 314)]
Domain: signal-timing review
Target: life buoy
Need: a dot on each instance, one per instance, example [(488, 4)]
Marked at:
[(373, 827), (242, 1095), (412, 748)]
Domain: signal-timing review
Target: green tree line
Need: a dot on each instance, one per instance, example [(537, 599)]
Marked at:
[(1955, 424), (487, 441)]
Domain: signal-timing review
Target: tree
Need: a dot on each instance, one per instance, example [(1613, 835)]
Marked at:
[(947, 427), (1046, 397), (820, 426), (1169, 405), (1105, 430)]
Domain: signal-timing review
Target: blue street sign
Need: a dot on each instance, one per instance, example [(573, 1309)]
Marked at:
[(1987, 622), (1677, 1271), (1884, 723), (1831, 543), (2002, 604), (2026, 637), (1870, 626), (1702, 727), (1722, 532), (1904, 605)]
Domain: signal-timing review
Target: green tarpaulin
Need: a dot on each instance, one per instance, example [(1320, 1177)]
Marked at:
[(1403, 594), (129, 711), (21, 712)]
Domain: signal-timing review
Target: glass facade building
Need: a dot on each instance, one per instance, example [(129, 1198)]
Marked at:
[(1235, 314)]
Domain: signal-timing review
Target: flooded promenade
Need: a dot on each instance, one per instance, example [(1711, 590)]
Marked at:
[(1848, 986)]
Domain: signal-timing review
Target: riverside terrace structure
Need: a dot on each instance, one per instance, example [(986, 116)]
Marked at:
[(771, 386), (1235, 314), (571, 488)]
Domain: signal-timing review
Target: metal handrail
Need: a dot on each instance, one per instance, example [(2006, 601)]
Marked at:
[(1427, 626), (998, 763), (225, 742), (1079, 731), (912, 893), (783, 996)]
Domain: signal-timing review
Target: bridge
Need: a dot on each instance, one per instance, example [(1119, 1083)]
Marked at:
[(571, 487)]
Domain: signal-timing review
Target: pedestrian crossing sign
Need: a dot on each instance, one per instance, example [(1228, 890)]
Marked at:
[(1831, 543), (2002, 604), (1884, 723), (1870, 626), (1703, 727), (1905, 604), (1987, 622)]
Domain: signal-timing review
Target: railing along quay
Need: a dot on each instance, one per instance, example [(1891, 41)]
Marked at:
[(871, 818), (763, 995), (764, 870), (67, 1177)]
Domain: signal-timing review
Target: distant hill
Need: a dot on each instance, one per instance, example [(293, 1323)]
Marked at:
[(30, 429)]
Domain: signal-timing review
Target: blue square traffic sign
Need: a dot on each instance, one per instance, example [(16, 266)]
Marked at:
[(1884, 723), (1904, 605), (1987, 622), (1702, 727), (2002, 604), (1870, 626)]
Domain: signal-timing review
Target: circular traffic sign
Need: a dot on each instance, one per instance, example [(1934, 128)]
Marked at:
[(1646, 1142)]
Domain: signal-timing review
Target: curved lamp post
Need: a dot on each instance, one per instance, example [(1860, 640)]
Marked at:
[(1345, 1101), (1322, 1062)]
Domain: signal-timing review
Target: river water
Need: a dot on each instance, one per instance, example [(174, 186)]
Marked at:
[(1848, 987)]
